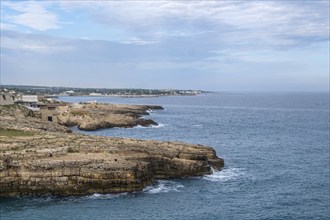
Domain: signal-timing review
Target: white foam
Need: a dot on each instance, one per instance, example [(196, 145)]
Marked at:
[(163, 186), (105, 196), (224, 175), (151, 126), (44, 198), (149, 111), (157, 126)]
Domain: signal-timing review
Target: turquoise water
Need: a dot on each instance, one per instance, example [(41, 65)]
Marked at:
[(276, 148)]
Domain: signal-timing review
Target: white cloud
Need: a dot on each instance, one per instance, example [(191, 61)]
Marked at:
[(246, 20), (42, 46), (278, 23), (31, 14), (169, 42), (138, 41), (5, 26)]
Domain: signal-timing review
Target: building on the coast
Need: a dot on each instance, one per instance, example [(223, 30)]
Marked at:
[(95, 94), (6, 98), (49, 111), (29, 101)]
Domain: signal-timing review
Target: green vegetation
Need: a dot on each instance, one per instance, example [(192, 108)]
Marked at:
[(14, 133), (79, 112), (72, 150)]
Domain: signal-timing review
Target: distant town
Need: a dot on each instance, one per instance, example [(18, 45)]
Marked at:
[(38, 97), (70, 91), (44, 99)]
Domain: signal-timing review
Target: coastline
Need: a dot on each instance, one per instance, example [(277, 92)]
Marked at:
[(39, 157), (94, 116)]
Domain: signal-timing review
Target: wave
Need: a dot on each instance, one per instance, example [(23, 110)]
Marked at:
[(157, 126), (163, 186), (105, 196), (37, 198), (151, 126), (224, 175), (149, 111)]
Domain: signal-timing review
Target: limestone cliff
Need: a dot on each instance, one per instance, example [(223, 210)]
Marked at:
[(34, 160), (93, 116), (71, 164)]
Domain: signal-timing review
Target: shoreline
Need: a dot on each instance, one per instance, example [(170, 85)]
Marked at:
[(94, 116), (127, 96), (39, 157)]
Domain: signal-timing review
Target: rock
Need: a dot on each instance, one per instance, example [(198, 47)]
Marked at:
[(98, 116), (21, 118), (38, 157), (82, 164), (146, 122), (16, 111)]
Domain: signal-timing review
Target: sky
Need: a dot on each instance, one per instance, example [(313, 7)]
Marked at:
[(209, 45)]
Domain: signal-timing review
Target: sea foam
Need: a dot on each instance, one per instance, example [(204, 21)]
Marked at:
[(105, 196), (224, 175), (151, 126), (163, 186), (157, 126)]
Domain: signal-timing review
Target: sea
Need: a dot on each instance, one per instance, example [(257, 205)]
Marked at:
[(276, 148)]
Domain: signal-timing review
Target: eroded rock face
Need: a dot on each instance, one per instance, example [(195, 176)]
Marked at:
[(71, 164), (21, 118), (47, 159), (97, 116)]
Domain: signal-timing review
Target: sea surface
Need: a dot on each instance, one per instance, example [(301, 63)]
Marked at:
[(276, 148)]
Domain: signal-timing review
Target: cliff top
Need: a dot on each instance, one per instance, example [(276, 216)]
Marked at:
[(40, 157)]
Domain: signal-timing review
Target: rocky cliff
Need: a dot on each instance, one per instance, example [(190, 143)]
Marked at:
[(35, 160), (93, 116)]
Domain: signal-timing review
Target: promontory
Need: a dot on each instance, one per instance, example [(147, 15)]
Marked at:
[(45, 157)]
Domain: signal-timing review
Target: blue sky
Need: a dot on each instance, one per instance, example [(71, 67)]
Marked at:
[(209, 45)]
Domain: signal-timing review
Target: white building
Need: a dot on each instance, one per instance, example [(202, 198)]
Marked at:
[(30, 98), (29, 101)]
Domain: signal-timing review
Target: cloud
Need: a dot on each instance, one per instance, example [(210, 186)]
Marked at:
[(257, 23), (268, 22), (33, 43), (213, 45), (31, 14), (4, 26), (138, 41)]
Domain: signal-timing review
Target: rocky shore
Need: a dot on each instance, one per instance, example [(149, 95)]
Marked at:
[(93, 116), (39, 157)]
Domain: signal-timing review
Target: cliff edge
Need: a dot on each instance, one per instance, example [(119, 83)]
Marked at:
[(94, 116), (46, 158)]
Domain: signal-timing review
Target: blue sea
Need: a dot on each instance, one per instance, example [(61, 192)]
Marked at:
[(276, 148)]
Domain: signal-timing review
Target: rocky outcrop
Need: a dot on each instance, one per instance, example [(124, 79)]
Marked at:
[(21, 118), (34, 160), (94, 116), (72, 164)]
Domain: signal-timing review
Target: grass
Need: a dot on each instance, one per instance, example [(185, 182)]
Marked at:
[(72, 150), (8, 132), (79, 112)]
